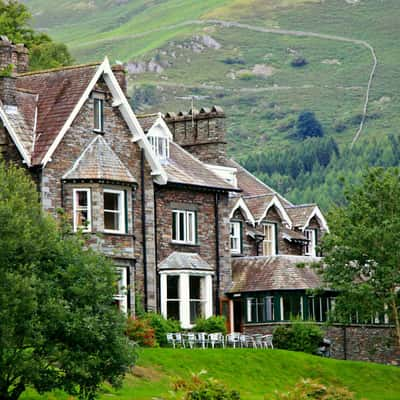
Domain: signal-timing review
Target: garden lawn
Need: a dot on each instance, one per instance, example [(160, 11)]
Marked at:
[(256, 374)]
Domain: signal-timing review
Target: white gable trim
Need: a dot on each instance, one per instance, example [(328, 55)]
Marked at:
[(121, 101), (318, 214), (163, 126), (282, 212), (14, 137), (243, 206)]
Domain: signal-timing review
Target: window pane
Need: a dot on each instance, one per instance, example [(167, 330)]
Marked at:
[(270, 308), (174, 226), (195, 287), (111, 221), (111, 201), (196, 310), (190, 226), (98, 114), (181, 226), (173, 310), (172, 287), (82, 198)]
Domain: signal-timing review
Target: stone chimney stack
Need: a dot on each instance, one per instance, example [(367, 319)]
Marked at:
[(17, 56), (202, 133)]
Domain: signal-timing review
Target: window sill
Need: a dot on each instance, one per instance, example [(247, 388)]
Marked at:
[(237, 255), (113, 233), (184, 244), (98, 131)]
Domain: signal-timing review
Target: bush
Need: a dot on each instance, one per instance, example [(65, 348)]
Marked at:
[(308, 126), (140, 331), (308, 389), (299, 336), (211, 325), (204, 389), (161, 327), (299, 62)]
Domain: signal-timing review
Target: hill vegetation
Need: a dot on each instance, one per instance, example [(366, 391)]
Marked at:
[(177, 50), (263, 373)]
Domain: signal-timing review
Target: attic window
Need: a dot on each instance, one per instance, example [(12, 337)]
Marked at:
[(98, 112), (160, 146)]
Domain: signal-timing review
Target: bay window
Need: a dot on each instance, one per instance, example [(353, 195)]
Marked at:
[(184, 226), (236, 237), (186, 296), (114, 211), (82, 213)]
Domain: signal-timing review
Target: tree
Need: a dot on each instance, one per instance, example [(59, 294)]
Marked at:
[(59, 327), (362, 251), (307, 125), (14, 23)]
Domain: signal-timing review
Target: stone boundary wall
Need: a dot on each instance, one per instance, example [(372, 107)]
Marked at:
[(376, 343)]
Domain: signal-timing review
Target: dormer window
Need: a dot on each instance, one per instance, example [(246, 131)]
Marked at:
[(159, 137), (160, 146), (311, 235), (98, 113)]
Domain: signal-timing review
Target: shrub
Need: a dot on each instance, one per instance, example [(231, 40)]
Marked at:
[(299, 62), (204, 389), (162, 326), (141, 332), (308, 126), (211, 325), (299, 336), (308, 389)]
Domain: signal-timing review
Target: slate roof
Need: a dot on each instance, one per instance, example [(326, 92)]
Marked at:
[(147, 120), (178, 260), (258, 204), (300, 214), (252, 274), (290, 234), (99, 162), (58, 93), (252, 186)]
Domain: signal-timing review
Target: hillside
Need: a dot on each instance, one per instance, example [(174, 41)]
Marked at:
[(179, 49), (263, 373)]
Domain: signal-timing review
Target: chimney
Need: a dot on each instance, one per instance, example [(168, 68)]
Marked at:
[(202, 133), (120, 74), (17, 56)]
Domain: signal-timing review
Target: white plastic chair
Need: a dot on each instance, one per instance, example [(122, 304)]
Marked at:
[(201, 339), (191, 339), (171, 339), (247, 341), (267, 341), (216, 339), (233, 339), (179, 339)]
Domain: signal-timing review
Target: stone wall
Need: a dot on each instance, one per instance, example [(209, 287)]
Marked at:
[(374, 343)]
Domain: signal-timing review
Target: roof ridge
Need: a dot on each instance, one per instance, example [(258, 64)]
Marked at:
[(254, 196), (65, 68), (303, 205)]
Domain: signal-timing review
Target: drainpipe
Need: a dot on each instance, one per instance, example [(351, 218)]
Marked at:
[(143, 204), (156, 251), (217, 263)]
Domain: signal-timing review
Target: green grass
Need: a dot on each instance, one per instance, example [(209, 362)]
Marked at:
[(257, 374)]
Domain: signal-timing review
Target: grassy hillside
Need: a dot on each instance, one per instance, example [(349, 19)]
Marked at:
[(256, 374), (249, 72)]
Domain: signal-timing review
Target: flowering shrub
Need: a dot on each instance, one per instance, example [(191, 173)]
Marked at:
[(161, 327), (197, 388), (308, 389), (141, 332)]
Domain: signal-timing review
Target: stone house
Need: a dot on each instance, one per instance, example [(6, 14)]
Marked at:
[(191, 232)]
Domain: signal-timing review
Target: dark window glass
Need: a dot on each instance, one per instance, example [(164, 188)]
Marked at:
[(291, 307), (174, 227), (181, 226), (173, 287), (196, 311), (195, 287), (173, 309)]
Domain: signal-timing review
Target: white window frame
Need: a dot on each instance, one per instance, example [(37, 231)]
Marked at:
[(236, 237), (160, 146), (187, 230), (310, 249), (98, 105), (122, 295), (121, 212), (184, 294), (271, 241), (76, 209)]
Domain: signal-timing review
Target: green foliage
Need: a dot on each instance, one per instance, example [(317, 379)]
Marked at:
[(298, 336), (140, 331), (212, 324), (44, 53), (308, 389), (144, 95), (161, 327), (56, 302), (307, 125), (362, 253), (198, 388)]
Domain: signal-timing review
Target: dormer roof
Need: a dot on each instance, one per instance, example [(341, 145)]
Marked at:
[(99, 162), (302, 214)]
